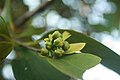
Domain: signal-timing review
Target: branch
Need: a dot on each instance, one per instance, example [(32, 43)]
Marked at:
[(27, 47), (26, 16)]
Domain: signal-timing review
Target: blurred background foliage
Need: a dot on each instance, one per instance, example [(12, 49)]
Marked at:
[(30, 18)]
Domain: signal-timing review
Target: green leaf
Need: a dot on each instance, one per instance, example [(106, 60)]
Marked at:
[(110, 59), (4, 38), (75, 47), (5, 43), (5, 49), (66, 35), (3, 27), (6, 11), (30, 66), (74, 65), (6, 14)]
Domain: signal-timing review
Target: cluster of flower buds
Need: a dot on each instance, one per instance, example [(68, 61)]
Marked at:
[(55, 45)]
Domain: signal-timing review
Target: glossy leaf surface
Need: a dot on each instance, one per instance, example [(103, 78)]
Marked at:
[(74, 65), (30, 66)]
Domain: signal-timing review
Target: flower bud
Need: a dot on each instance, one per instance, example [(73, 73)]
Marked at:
[(46, 39), (50, 37), (48, 45), (58, 42), (66, 46), (59, 52), (56, 34), (44, 52)]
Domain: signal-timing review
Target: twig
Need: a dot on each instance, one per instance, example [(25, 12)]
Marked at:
[(22, 19), (32, 48), (27, 47)]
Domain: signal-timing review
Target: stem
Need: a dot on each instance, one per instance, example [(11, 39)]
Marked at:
[(32, 43), (26, 46)]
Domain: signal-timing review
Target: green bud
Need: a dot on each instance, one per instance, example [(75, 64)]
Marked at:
[(44, 52), (59, 52), (58, 42), (50, 37), (56, 34), (66, 46), (46, 39), (48, 45)]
